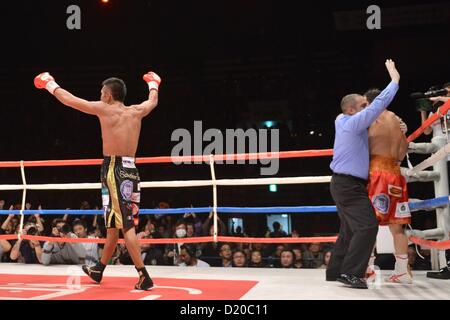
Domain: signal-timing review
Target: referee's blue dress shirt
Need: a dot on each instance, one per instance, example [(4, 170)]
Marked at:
[(351, 142)]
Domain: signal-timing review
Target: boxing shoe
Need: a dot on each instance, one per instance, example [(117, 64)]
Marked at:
[(95, 272), (405, 278), (145, 282)]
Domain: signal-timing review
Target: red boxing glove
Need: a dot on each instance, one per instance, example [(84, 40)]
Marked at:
[(153, 80), (45, 80)]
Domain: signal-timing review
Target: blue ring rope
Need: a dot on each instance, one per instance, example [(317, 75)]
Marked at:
[(414, 206)]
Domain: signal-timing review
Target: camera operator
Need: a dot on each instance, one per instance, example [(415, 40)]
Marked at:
[(27, 251), (92, 251), (62, 252), (5, 246), (431, 104)]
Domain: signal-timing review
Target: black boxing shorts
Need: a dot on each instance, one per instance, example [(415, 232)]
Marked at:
[(120, 192)]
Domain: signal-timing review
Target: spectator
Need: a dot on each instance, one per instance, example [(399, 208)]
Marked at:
[(192, 219), (84, 205), (65, 252), (5, 246), (298, 258), (151, 254), (188, 258), (225, 255), (326, 259), (92, 253), (313, 257), (150, 226), (149, 231), (277, 231), (35, 218), (164, 220), (2, 204), (239, 259), (27, 251), (208, 226), (295, 234), (190, 230), (278, 250), (162, 231), (123, 256), (9, 226), (256, 260), (259, 247), (210, 249), (99, 228), (190, 233), (172, 252), (238, 232), (246, 248), (287, 259)]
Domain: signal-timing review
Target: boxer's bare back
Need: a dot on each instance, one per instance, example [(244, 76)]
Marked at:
[(120, 124), (121, 127), (385, 137)]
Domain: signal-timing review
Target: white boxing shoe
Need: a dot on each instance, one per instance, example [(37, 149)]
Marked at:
[(405, 278)]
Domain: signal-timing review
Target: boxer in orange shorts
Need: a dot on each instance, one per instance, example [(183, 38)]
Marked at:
[(388, 191), (387, 188)]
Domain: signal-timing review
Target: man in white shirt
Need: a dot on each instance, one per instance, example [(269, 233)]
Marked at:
[(188, 259), (80, 229)]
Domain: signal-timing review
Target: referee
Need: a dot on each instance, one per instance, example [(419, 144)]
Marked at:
[(350, 165)]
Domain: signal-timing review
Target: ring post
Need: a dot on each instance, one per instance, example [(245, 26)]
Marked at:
[(24, 196), (443, 213), (214, 185)]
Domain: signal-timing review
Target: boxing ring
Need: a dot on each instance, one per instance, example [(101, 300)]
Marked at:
[(21, 281)]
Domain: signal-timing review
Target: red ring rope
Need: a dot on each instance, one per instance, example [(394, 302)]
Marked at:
[(178, 240), (203, 158)]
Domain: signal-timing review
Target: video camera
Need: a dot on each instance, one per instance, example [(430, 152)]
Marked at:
[(422, 101)]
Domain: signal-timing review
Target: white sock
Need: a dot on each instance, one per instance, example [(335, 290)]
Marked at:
[(401, 263)]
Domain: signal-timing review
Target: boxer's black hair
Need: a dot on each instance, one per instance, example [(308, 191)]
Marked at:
[(117, 87), (446, 85), (371, 94)]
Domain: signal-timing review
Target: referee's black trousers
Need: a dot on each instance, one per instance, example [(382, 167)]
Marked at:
[(358, 228)]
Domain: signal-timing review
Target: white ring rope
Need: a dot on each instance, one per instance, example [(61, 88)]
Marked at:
[(176, 184), (430, 161), (214, 181), (24, 195)]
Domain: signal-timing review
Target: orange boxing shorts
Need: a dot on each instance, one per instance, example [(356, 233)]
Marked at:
[(388, 192)]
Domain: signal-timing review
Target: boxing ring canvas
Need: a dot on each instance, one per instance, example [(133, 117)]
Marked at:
[(63, 282)]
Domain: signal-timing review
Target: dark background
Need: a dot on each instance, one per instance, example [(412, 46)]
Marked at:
[(228, 63)]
